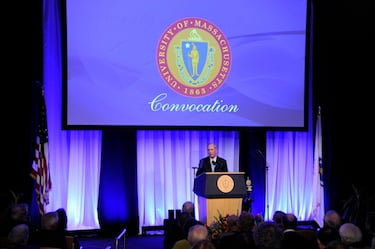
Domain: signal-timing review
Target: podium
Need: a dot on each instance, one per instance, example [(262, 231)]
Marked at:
[(219, 192)]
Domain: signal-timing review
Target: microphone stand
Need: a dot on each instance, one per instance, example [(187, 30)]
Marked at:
[(194, 172), (266, 182), (266, 188)]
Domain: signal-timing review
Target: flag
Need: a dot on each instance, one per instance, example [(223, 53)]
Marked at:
[(40, 166), (318, 183)]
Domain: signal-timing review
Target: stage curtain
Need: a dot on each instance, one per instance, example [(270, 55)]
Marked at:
[(74, 155), (289, 173), (165, 168)]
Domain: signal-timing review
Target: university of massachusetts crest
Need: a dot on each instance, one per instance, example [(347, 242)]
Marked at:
[(193, 57)]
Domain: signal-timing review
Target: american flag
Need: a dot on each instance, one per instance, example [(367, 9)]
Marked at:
[(40, 167)]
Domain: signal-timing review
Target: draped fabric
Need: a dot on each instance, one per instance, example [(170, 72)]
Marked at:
[(74, 155), (164, 164), (165, 171), (290, 171)]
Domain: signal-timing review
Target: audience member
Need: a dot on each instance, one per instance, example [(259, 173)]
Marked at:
[(268, 235), (203, 244), (225, 239), (278, 218), (244, 239), (63, 219), (332, 219), (50, 235), (196, 233), (351, 235), (336, 244), (18, 237), (174, 230), (63, 225), (369, 232), (291, 239), (190, 220), (189, 207), (18, 214), (325, 235)]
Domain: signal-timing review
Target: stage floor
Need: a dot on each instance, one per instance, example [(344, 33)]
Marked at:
[(131, 242)]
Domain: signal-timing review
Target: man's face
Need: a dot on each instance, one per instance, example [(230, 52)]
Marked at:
[(211, 151)]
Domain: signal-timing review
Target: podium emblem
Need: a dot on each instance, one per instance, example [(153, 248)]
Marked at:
[(225, 183)]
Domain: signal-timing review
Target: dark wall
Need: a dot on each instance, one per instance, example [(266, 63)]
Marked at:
[(22, 65), (342, 77)]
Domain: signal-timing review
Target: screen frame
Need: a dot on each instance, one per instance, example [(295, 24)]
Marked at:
[(307, 90)]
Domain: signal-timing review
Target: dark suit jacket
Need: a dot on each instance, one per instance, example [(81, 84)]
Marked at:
[(294, 240), (205, 165)]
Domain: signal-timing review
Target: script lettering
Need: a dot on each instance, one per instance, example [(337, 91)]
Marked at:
[(158, 104)]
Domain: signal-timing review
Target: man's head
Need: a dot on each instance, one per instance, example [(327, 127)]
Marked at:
[(267, 235), (278, 217), (50, 221), (327, 234), (246, 221), (196, 233), (188, 207), (332, 219), (290, 221), (350, 233), (19, 235), (212, 150), (20, 212)]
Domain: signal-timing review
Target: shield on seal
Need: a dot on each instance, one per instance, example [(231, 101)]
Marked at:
[(194, 54)]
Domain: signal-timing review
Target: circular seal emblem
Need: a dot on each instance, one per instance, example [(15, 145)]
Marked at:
[(225, 183), (193, 57)]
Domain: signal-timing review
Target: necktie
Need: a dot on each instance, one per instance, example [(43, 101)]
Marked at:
[(213, 164)]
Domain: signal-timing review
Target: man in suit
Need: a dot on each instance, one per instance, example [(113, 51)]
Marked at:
[(212, 163)]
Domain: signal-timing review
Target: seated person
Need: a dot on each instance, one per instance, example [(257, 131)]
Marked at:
[(227, 238), (351, 235), (189, 207), (18, 214), (173, 230), (50, 235), (196, 233), (245, 238), (278, 217), (63, 224), (291, 239), (268, 235), (18, 237), (203, 244), (325, 235)]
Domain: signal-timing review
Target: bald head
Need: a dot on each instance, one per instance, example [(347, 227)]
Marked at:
[(350, 233), (332, 219), (196, 233)]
